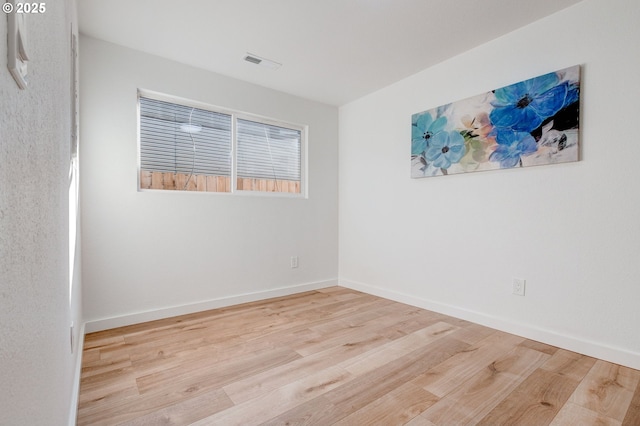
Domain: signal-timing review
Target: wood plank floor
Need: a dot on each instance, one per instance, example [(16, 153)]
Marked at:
[(340, 357)]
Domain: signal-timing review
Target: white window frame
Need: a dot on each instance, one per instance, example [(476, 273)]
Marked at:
[(235, 115)]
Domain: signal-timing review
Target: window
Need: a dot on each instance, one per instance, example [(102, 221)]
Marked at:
[(186, 146)]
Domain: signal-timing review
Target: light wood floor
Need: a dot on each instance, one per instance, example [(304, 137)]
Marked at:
[(340, 357)]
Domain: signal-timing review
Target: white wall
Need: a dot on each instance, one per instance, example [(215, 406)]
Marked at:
[(454, 243), (36, 363), (152, 254)]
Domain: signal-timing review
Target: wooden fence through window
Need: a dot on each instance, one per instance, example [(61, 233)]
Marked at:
[(207, 183)]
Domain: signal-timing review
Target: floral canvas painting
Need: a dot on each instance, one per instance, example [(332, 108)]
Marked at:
[(533, 122)]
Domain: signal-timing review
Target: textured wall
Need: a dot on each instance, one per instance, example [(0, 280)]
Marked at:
[(36, 364), (571, 230)]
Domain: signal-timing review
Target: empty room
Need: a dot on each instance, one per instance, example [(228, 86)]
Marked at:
[(341, 212)]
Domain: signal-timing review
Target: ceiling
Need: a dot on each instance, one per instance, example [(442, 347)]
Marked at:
[(332, 51)]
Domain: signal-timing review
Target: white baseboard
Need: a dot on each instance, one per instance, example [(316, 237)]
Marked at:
[(75, 392), (598, 350), (172, 311)]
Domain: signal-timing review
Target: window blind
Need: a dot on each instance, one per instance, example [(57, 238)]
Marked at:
[(268, 152), (169, 133), (189, 141)]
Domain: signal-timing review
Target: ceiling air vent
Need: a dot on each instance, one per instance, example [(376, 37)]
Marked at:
[(255, 59), (252, 59)]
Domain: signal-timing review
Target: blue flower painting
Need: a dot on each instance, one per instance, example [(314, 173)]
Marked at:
[(533, 122), (445, 149), (511, 147)]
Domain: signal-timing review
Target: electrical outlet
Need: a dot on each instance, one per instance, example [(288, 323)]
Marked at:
[(71, 334), (294, 262), (518, 286)]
